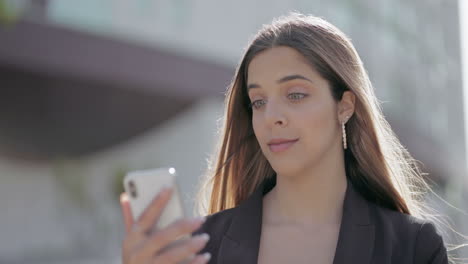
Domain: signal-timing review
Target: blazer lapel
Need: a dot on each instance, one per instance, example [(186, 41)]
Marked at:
[(356, 236), (241, 242)]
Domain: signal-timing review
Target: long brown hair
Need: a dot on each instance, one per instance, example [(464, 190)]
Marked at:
[(376, 163)]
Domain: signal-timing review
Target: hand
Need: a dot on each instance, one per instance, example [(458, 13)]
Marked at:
[(143, 245)]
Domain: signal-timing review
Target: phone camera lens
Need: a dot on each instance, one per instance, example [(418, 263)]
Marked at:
[(132, 189)]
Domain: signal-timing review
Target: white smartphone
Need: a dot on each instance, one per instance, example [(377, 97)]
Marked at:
[(142, 187)]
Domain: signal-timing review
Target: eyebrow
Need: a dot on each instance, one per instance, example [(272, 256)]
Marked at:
[(282, 80)]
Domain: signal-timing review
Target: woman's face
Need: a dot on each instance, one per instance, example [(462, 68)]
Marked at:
[(291, 101)]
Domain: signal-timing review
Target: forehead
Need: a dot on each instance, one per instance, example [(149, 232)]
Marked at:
[(277, 62)]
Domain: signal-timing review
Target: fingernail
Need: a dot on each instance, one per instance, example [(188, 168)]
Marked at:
[(207, 256), (199, 220), (165, 189), (203, 237)]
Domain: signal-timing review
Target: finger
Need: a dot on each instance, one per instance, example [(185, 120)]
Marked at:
[(132, 239), (168, 235), (137, 237), (126, 212), (201, 259), (184, 251), (153, 211)]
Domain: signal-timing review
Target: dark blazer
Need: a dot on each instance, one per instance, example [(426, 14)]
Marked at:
[(368, 234)]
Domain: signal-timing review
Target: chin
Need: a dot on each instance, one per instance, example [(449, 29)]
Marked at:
[(286, 169)]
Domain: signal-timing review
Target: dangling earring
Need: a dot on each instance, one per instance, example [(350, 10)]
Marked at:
[(345, 145)]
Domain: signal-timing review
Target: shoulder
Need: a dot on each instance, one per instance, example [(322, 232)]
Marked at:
[(410, 235)]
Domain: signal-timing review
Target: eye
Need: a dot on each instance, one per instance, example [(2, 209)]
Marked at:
[(257, 104), (296, 96)]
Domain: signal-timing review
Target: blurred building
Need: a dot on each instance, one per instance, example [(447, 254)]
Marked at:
[(91, 89)]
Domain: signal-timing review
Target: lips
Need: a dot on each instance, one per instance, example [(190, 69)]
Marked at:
[(278, 145)]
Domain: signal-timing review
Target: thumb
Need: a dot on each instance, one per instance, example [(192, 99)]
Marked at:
[(126, 212)]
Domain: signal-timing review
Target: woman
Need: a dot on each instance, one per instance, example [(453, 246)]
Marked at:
[(308, 170)]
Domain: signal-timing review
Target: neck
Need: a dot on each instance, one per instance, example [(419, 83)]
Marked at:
[(314, 196)]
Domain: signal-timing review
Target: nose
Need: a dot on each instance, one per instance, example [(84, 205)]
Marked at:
[(275, 114)]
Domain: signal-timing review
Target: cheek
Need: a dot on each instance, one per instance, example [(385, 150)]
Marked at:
[(320, 129), (261, 132), (257, 127), (255, 124)]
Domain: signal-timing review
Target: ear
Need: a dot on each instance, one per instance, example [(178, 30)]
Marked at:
[(346, 106)]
